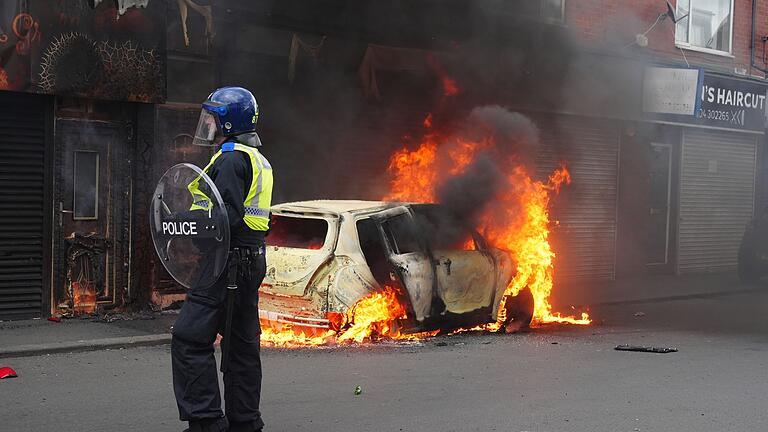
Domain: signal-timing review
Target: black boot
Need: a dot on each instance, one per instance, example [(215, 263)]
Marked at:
[(208, 425), (251, 426)]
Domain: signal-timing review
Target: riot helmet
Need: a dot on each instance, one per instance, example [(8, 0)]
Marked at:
[(228, 112)]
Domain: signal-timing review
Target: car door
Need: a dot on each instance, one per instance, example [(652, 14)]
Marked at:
[(466, 277), (466, 271), (408, 255)]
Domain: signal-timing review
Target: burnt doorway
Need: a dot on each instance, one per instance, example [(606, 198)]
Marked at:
[(94, 214), (658, 251)]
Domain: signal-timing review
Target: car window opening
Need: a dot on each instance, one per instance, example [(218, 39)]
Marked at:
[(401, 234), (297, 232), (373, 250)]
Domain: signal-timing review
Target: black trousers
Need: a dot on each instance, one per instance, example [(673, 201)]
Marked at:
[(195, 378)]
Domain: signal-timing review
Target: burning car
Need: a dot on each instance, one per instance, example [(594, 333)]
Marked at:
[(324, 256)]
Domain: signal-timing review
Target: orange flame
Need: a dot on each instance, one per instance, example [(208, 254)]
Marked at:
[(416, 177), (373, 317), (450, 87), (517, 221), (428, 121)]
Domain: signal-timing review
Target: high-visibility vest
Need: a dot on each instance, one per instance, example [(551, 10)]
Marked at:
[(258, 200)]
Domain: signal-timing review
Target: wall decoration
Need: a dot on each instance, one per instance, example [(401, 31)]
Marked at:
[(109, 49)]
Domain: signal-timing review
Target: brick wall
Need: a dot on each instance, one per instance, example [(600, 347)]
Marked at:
[(614, 24)]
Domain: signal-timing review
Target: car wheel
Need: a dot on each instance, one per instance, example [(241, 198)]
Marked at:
[(747, 269), (519, 311)]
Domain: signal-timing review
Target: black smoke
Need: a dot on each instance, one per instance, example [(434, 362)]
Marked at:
[(465, 197), (515, 140)]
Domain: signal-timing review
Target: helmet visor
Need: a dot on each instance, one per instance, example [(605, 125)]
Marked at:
[(206, 129)]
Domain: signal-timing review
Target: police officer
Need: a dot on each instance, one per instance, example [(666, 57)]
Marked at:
[(243, 176)]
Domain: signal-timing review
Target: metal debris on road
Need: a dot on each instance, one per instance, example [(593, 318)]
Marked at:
[(358, 390), (6, 372), (637, 348)]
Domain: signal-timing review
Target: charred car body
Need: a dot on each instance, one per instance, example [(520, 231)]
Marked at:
[(324, 256)]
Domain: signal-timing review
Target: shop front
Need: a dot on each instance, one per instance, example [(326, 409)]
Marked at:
[(704, 148)]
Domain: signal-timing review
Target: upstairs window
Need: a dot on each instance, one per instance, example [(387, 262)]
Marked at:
[(708, 24), (552, 10)]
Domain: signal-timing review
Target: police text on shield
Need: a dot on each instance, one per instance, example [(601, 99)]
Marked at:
[(180, 228)]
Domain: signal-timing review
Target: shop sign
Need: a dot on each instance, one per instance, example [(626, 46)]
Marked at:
[(720, 102), (671, 90)]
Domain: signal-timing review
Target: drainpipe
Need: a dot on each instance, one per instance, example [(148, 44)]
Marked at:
[(752, 42), (761, 183)]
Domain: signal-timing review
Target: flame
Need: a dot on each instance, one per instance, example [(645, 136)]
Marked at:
[(288, 337), (517, 221), (372, 318), (450, 87), (84, 300), (428, 121), (416, 177)]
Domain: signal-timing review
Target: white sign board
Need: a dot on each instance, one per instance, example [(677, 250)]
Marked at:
[(670, 90)]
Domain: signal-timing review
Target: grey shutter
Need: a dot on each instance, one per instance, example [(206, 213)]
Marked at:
[(717, 190), (585, 240), (22, 205)]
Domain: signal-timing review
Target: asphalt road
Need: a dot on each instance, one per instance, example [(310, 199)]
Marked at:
[(550, 379)]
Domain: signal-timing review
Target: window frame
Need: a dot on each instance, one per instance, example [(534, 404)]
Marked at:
[(560, 20), (331, 230), (392, 239), (688, 46), (95, 216)]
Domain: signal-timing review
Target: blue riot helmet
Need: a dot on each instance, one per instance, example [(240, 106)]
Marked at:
[(228, 112)]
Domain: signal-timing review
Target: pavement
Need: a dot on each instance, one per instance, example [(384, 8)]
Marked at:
[(36, 337), (552, 378), (648, 289), (40, 336)]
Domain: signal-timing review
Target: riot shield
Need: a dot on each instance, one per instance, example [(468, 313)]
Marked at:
[(190, 227)]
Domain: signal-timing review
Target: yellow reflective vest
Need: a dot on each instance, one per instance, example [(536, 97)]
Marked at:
[(258, 200)]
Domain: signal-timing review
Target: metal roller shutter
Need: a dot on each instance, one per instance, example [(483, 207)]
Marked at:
[(585, 241), (717, 191), (22, 198)]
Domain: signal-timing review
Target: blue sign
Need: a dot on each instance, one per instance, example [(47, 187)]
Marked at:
[(727, 103)]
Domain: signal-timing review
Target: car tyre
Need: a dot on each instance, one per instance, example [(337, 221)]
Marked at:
[(519, 311)]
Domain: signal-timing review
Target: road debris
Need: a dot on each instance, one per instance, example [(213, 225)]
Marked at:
[(358, 390), (639, 314), (637, 348), (6, 372)]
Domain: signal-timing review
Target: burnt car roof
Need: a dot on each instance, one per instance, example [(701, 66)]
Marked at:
[(333, 206)]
